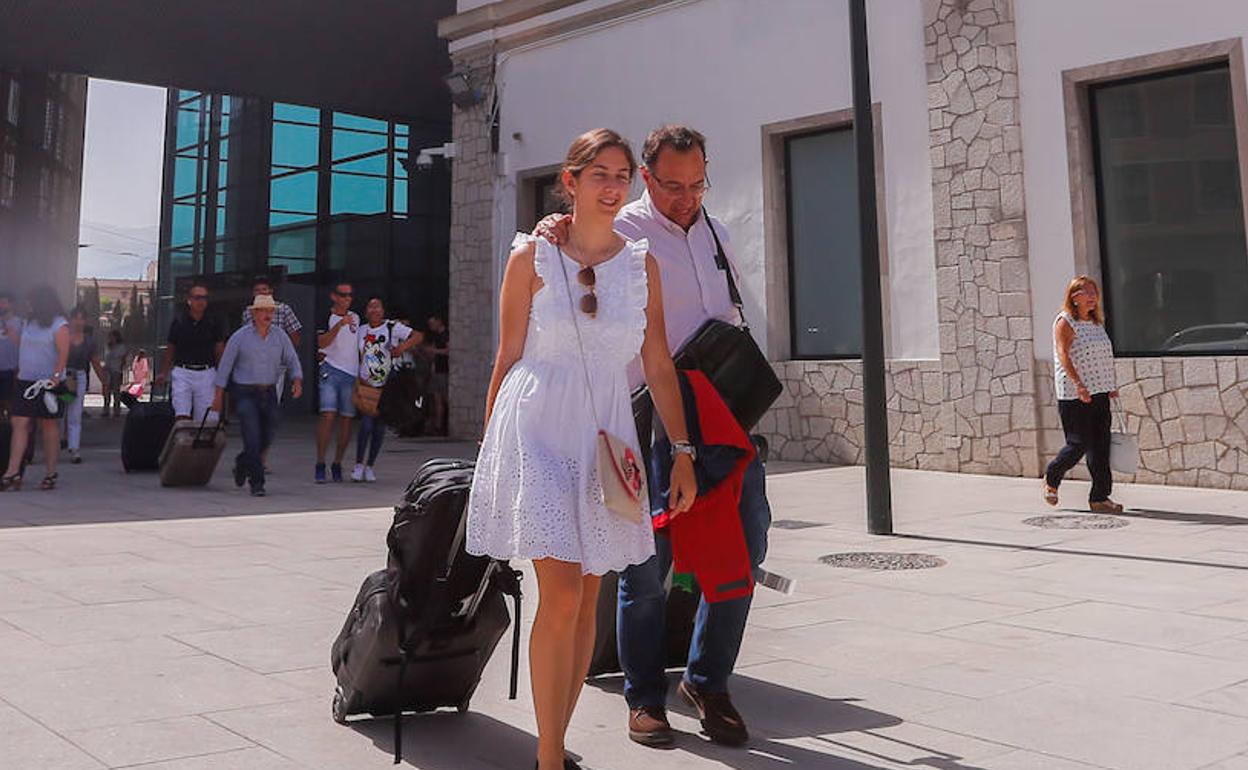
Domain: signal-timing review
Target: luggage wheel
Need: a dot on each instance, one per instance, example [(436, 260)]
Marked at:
[(339, 707), (463, 706)]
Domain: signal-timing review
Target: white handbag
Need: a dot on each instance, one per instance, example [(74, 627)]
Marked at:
[(1124, 448), (621, 480)]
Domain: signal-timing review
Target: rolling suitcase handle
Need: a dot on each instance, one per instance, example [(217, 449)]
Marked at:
[(198, 442)]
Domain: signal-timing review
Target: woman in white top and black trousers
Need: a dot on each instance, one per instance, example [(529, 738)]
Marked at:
[(1085, 379)]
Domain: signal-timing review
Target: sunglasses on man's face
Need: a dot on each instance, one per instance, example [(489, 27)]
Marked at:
[(199, 297)]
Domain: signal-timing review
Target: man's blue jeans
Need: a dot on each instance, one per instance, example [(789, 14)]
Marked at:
[(256, 409), (718, 628)]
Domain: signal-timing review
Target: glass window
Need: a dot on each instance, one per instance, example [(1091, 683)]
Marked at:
[(185, 175), (351, 194), (343, 120), (1173, 252), (8, 178), (294, 193), (296, 249), (824, 251), (182, 231), (374, 165), (400, 196), (49, 123), (295, 146), (348, 144), (14, 109), (294, 113), (190, 120)]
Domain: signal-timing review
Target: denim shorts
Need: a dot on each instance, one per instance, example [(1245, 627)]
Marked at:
[(335, 386)]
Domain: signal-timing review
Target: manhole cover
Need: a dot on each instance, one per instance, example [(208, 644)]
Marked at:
[(882, 561), (1076, 521), (794, 524)]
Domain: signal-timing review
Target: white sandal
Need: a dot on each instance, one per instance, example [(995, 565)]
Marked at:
[(1050, 495)]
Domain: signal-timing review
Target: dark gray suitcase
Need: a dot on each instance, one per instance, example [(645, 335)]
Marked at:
[(191, 453), (421, 631)]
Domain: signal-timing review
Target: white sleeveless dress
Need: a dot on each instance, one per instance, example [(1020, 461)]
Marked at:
[(535, 492)]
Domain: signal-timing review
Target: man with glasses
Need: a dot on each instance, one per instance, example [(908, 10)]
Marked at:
[(339, 344), (670, 215), (194, 345)]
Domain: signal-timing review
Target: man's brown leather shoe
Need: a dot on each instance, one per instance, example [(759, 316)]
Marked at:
[(719, 719), (648, 726)]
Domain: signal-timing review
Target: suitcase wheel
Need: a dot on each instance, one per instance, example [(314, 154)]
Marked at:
[(463, 706), (340, 707)]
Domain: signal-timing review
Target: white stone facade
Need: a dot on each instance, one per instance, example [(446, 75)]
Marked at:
[(966, 164)]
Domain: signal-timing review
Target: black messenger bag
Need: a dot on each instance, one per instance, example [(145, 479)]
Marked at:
[(729, 357)]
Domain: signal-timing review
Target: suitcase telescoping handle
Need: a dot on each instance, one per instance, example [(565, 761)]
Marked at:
[(199, 442)]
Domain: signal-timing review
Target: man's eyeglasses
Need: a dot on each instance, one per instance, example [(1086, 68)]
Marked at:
[(198, 297), (678, 190)]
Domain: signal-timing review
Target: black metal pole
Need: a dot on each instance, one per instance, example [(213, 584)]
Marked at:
[(874, 406)]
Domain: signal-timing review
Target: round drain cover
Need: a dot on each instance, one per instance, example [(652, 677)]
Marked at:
[(1077, 521), (879, 560)]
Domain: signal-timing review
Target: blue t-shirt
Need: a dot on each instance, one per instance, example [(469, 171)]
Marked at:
[(37, 356)]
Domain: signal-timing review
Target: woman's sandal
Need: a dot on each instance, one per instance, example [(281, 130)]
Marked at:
[(11, 483), (49, 482), (1050, 495)]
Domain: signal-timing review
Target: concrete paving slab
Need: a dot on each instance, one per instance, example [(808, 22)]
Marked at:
[(27, 744), (189, 630), (147, 742)]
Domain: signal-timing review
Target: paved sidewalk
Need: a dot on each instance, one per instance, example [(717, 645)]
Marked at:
[(190, 629)]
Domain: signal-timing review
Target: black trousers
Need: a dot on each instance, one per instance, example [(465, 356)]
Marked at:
[(1087, 428)]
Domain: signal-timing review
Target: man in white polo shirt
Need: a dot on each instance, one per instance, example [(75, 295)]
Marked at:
[(339, 344)]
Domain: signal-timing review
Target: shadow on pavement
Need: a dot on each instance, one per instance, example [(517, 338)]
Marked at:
[(1069, 551), (446, 740), (776, 713), (1210, 519)]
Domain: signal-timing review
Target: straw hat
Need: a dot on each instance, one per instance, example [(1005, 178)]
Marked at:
[(262, 302)]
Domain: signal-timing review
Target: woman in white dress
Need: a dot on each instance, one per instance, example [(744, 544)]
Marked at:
[(559, 377)]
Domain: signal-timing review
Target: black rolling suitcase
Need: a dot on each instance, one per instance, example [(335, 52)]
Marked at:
[(404, 403), (144, 434), (421, 631), (682, 606)]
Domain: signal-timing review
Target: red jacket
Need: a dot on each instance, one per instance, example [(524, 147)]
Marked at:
[(708, 539)]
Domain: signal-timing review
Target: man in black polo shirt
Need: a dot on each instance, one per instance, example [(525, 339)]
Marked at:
[(195, 343)]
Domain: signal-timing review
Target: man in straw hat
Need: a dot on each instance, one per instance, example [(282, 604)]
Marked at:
[(255, 355)]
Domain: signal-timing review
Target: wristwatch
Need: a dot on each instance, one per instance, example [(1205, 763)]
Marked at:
[(684, 448)]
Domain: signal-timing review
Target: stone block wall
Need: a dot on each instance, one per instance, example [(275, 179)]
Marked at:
[(1190, 414), (988, 415), (471, 311), (819, 416)]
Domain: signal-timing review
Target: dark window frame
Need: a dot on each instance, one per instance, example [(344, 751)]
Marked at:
[(1099, 192)]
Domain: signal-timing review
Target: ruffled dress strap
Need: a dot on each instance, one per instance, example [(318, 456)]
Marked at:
[(638, 285)]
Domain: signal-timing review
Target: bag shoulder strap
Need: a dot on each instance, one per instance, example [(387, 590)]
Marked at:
[(580, 343), (721, 262)]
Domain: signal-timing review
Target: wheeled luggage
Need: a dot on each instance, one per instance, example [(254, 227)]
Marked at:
[(191, 453), (682, 606), (404, 401), (144, 434), (421, 631)]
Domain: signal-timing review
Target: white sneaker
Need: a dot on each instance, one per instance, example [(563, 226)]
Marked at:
[(368, 473), (357, 473)]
